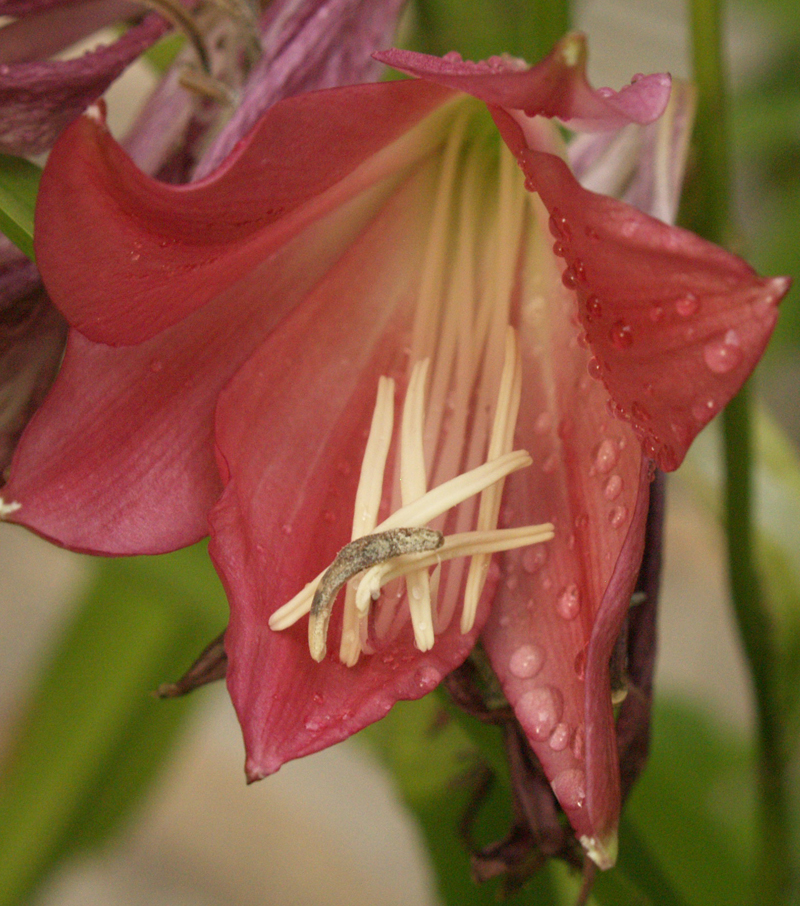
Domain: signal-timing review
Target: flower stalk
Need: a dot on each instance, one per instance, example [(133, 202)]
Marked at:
[(711, 218)]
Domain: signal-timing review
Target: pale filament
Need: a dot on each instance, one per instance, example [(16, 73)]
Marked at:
[(417, 514), (465, 354), (422, 509)]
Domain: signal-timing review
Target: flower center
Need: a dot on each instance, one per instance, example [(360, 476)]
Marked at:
[(400, 546), (454, 454)]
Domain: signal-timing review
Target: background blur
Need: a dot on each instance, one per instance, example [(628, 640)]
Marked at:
[(328, 829)]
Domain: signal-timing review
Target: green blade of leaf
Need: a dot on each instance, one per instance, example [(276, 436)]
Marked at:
[(93, 736), (481, 28), (19, 183)]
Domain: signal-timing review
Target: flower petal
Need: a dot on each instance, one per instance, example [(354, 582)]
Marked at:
[(585, 480), (641, 166), (120, 458), (291, 429), (676, 323), (308, 44), (555, 87), (165, 251), (38, 99)]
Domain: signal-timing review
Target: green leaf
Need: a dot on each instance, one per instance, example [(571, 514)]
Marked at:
[(19, 183), (481, 28), (93, 736), (437, 766), (163, 53), (688, 834)]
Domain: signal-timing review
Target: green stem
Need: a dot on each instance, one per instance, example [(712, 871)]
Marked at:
[(773, 877), (710, 216)]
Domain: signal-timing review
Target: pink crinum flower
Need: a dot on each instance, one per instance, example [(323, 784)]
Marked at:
[(372, 316)]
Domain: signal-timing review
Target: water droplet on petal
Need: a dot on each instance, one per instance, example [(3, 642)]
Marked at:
[(621, 335), (594, 308), (543, 423), (568, 603), (613, 487), (559, 249), (549, 465), (594, 368), (656, 313), (606, 455), (617, 516), (569, 278), (570, 787), (687, 305), (533, 559), (559, 738), (558, 225), (526, 661), (704, 410), (724, 354), (427, 678), (540, 710)]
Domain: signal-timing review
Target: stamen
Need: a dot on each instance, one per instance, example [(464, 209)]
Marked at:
[(365, 512), (183, 20), (413, 485), (200, 83), (422, 511), (200, 28), (502, 438), (464, 544), (461, 327), (353, 558)]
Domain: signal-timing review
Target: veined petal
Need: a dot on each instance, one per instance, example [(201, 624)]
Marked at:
[(38, 99), (296, 410), (640, 165), (676, 323), (308, 44), (585, 480), (165, 251), (126, 435), (555, 87), (42, 29)]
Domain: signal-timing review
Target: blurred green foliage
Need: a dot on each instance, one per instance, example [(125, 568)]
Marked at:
[(478, 29), (766, 138), (687, 838), (93, 737), (19, 183)]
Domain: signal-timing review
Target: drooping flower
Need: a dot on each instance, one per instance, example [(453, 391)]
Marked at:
[(239, 347)]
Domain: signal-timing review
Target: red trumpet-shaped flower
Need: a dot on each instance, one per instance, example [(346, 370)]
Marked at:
[(373, 321)]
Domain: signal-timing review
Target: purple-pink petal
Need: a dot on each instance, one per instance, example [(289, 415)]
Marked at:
[(555, 87), (39, 98)]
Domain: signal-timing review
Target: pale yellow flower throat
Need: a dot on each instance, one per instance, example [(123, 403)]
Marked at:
[(464, 350)]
